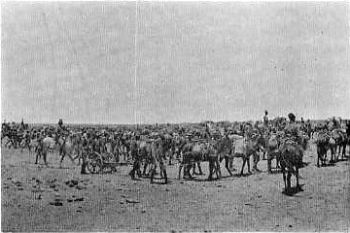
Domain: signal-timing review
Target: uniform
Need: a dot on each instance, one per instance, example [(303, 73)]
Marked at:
[(266, 121)]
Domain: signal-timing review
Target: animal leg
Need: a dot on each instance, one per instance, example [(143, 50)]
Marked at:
[(248, 163), (319, 156), (244, 162), (289, 175), (218, 169), (284, 178), (71, 158), (188, 170), (269, 160), (200, 169), (134, 169), (227, 166), (144, 169), (256, 161), (297, 178), (36, 157), (180, 167), (231, 164), (333, 154), (343, 151), (153, 172), (62, 157), (171, 155), (165, 176), (45, 158), (152, 175), (278, 163), (211, 168)]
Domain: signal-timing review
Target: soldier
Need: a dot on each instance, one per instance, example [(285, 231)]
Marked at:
[(292, 128), (308, 128), (293, 133), (266, 119), (336, 124)]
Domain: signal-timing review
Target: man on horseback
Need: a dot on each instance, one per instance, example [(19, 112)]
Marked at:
[(292, 150), (293, 135), (266, 119)]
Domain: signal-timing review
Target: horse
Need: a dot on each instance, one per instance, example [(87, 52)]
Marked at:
[(66, 147), (145, 155), (244, 147), (138, 152), (342, 140), (44, 146), (241, 147), (158, 151), (224, 149), (49, 144), (196, 152), (273, 152), (324, 142), (291, 160), (13, 138)]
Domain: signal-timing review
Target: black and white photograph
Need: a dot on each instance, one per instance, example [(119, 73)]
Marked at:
[(175, 116)]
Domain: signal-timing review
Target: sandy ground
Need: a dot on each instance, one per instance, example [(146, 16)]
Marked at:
[(36, 198)]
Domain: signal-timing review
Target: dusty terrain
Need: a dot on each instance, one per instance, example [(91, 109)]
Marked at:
[(36, 198)]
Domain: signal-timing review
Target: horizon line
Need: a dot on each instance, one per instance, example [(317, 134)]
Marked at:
[(160, 123)]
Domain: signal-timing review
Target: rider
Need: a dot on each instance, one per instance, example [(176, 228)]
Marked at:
[(293, 133), (266, 119), (292, 128)]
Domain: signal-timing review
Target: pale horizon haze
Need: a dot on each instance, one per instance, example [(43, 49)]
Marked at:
[(159, 62)]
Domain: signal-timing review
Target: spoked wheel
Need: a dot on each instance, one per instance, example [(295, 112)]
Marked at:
[(109, 168), (109, 158), (109, 163), (94, 163)]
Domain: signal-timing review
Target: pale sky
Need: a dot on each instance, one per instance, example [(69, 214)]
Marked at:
[(105, 62)]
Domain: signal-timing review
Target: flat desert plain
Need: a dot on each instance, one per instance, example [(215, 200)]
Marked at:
[(37, 198)]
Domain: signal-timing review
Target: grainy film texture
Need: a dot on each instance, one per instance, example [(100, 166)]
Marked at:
[(175, 116)]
